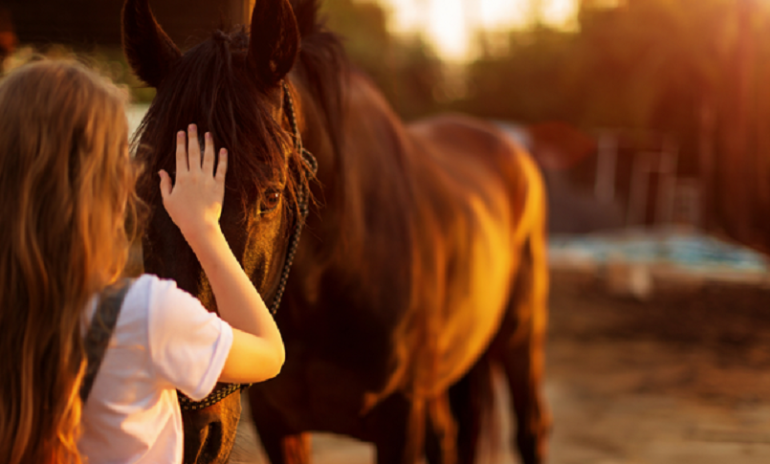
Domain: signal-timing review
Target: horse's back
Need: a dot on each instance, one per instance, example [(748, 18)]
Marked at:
[(480, 196), (481, 160)]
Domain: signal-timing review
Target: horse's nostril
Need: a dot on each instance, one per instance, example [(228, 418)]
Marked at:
[(204, 440), (211, 442), (209, 433)]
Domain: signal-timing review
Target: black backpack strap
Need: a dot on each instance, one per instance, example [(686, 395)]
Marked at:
[(100, 331)]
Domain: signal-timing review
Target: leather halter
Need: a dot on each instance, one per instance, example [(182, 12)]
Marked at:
[(310, 164)]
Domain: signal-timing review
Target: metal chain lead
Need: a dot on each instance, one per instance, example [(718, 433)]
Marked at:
[(221, 392), (310, 164)]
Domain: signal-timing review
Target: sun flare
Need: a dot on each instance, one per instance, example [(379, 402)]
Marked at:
[(451, 24)]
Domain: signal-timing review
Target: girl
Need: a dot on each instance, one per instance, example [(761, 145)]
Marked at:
[(66, 189)]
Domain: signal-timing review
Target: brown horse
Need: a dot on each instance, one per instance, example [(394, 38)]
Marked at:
[(422, 264)]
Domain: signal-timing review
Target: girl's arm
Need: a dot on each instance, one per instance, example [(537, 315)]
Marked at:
[(195, 205)]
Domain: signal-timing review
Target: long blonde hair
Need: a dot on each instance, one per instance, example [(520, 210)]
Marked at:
[(66, 189)]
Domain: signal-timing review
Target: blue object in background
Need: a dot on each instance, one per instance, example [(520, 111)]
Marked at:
[(688, 250)]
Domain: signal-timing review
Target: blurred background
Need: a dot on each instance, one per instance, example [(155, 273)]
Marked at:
[(651, 122)]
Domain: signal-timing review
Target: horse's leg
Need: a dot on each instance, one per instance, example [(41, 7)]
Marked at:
[(398, 429), (281, 445), (471, 403), (520, 349), (441, 432)]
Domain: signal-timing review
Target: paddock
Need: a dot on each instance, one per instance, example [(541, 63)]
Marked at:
[(682, 378), (676, 371)]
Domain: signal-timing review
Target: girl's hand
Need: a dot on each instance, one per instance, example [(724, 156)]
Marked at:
[(195, 200), (194, 204)]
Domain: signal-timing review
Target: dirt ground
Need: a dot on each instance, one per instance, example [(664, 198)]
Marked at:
[(683, 377)]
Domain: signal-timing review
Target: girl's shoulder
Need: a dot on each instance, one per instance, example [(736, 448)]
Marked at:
[(188, 344), (165, 300), (154, 307), (150, 285), (157, 295), (144, 289)]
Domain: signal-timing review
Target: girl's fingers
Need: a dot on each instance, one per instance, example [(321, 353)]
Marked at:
[(165, 184), (222, 166), (193, 148), (208, 155), (181, 152)]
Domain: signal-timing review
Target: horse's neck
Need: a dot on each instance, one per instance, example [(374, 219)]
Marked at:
[(372, 136), (370, 171)]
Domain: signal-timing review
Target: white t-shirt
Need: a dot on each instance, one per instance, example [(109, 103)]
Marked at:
[(164, 340)]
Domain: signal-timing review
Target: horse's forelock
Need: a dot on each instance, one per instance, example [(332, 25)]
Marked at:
[(214, 86), (217, 71)]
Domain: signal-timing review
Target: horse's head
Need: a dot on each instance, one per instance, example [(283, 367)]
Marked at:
[(229, 85)]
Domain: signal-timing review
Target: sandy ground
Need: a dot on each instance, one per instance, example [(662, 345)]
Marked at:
[(681, 378)]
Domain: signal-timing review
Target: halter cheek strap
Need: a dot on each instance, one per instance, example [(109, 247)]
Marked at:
[(310, 165)]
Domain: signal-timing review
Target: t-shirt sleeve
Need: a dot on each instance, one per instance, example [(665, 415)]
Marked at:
[(188, 344)]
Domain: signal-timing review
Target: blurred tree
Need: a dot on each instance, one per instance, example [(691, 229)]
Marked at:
[(740, 168), (694, 70), (404, 67), (8, 39), (527, 82)]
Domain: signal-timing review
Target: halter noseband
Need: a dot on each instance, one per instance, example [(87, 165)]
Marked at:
[(310, 164)]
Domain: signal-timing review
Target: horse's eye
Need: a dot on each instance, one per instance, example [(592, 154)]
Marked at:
[(270, 201)]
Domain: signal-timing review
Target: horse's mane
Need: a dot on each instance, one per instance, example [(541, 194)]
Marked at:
[(336, 85), (214, 86), (323, 65)]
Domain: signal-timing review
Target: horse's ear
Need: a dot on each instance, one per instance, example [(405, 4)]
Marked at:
[(150, 52), (275, 39)]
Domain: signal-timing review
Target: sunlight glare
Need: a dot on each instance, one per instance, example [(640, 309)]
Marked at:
[(497, 14), (559, 12), (406, 14), (448, 28), (451, 24)]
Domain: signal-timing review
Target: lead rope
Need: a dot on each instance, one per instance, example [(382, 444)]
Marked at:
[(310, 164)]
